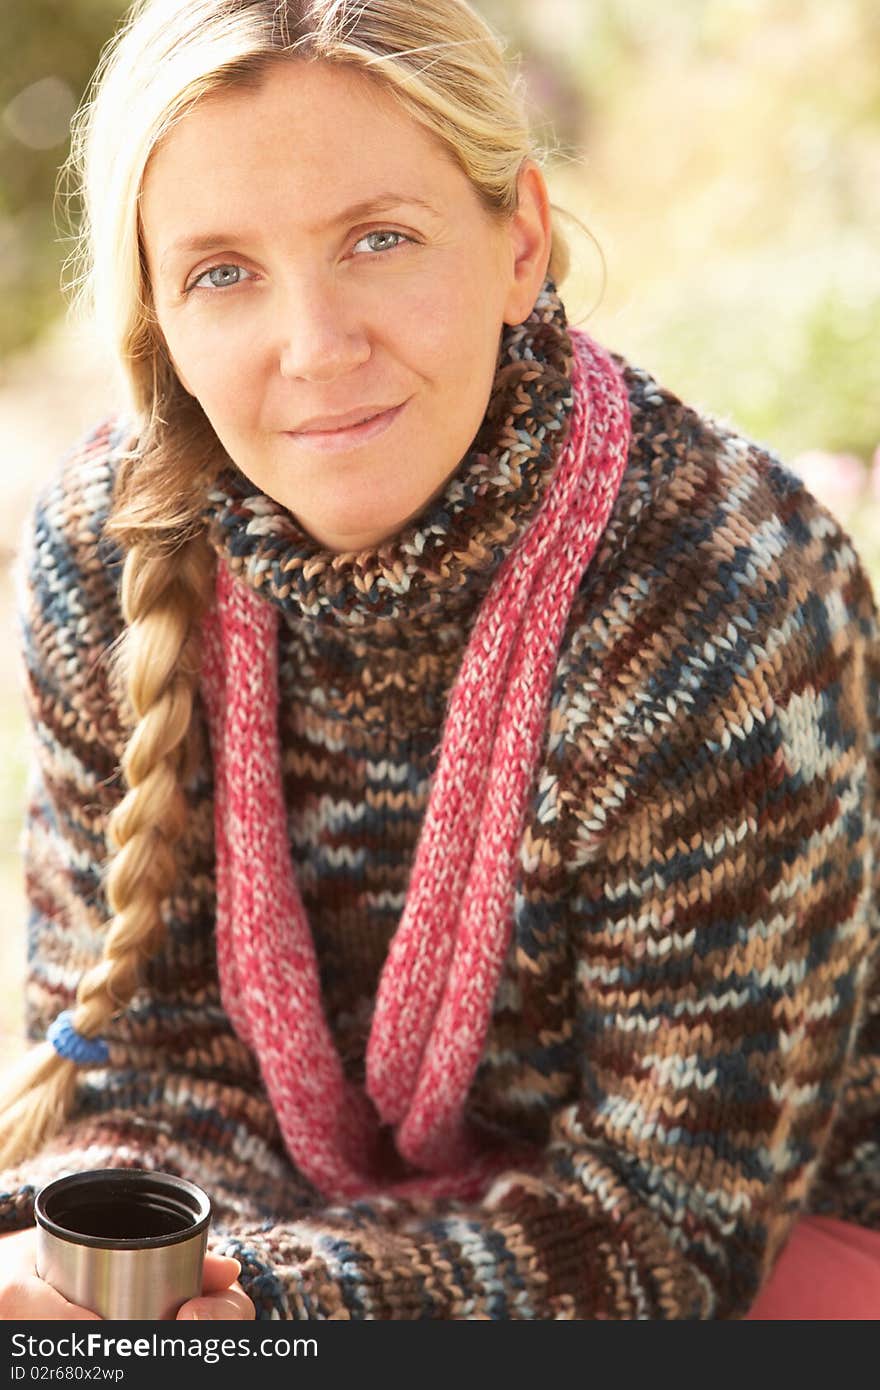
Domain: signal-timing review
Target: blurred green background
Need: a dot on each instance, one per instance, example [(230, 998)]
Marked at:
[(725, 157)]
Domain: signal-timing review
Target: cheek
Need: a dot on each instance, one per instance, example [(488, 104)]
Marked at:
[(450, 346), (459, 355), (445, 320), (217, 366)]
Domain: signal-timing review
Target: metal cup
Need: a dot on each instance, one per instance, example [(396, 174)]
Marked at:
[(127, 1243)]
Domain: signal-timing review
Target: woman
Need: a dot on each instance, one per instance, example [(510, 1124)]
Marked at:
[(465, 867)]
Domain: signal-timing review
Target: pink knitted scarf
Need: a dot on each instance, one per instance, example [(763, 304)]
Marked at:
[(407, 1132)]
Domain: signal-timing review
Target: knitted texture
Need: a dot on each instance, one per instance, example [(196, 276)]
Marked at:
[(685, 1034), (436, 992)]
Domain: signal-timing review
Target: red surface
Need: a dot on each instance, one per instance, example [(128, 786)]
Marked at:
[(828, 1271)]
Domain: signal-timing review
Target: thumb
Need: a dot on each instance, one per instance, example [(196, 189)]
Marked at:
[(219, 1272)]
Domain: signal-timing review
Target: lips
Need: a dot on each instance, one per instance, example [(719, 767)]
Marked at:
[(326, 424), (345, 437)]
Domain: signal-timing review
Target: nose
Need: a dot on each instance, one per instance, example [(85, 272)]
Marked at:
[(323, 335)]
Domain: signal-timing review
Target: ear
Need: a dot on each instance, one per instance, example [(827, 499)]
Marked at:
[(530, 232)]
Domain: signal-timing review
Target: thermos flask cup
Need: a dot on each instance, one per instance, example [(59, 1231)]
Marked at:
[(124, 1242)]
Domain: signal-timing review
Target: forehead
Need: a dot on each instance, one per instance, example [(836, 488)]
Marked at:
[(308, 138)]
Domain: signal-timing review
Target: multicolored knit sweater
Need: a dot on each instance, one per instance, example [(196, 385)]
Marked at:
[(687, 1026)]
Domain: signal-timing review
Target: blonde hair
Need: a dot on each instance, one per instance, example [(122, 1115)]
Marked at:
[(446, 66)]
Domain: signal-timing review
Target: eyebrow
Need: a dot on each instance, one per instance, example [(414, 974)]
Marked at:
[(381, 202)]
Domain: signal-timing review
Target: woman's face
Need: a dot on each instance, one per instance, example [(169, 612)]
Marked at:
[(297, 305)]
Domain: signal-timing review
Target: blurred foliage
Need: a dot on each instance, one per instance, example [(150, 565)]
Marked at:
[(725, 154), (728, 163), (39, 40)]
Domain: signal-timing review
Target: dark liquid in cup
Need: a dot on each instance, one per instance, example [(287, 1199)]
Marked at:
[(123, 1205), (124, 1218)]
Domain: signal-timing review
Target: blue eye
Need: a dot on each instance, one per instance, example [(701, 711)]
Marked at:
[(227, 275), (224, 272), (385, 231)]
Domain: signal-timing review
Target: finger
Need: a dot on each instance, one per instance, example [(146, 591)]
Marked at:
[(32, 1298), (23, 1294), (218, 1272), (232, 1304)]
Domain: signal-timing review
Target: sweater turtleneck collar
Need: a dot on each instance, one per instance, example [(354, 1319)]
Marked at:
[(440, 564)]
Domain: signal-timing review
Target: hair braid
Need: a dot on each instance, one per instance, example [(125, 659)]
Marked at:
[(157, 662)]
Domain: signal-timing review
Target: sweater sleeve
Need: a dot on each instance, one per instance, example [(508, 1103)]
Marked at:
[(723, 929)]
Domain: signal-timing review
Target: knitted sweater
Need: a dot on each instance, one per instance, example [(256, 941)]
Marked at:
[(686, 1033)]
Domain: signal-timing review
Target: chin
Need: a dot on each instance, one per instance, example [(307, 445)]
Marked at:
[(347, 526), (349, 532)]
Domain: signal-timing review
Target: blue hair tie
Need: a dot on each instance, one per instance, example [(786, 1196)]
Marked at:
[(68, 1043)]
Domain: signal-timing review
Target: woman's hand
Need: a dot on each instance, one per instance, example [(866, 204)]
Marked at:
[(24, 1295), (222, 1296)]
